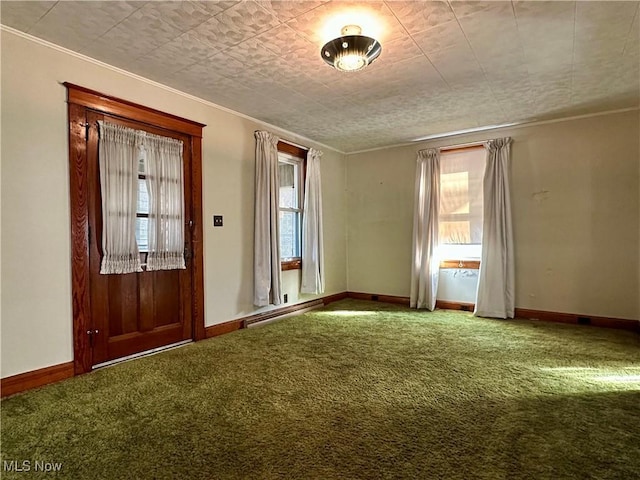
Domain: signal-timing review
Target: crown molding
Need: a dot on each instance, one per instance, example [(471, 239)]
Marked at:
[(514, 125)]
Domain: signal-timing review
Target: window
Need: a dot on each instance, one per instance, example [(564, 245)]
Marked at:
[(460, 216), (291, 162), (142, 213)]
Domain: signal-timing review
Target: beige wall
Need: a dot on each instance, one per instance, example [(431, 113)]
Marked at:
[(36, 298), (576, 215)]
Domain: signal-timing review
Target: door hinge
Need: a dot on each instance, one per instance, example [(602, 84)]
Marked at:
[(92, 334), (86, 130)]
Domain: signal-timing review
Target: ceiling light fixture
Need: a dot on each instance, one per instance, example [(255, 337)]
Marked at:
[(352, 51)]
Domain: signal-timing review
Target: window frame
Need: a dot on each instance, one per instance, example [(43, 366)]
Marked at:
[(459, 261), (299, 154)]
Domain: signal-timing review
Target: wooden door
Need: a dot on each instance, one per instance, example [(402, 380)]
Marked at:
[(119, 315), (134, 312)]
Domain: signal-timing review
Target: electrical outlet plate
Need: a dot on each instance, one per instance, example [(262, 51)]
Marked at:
[(217, 220)]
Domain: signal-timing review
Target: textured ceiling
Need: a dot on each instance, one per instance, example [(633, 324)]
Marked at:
[(445, 66)]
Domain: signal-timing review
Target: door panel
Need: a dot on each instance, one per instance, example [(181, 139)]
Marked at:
[(134, 312), (123, 303), (167, 298)]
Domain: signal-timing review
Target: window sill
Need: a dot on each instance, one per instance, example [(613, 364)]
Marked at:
[(294, 264), (467, 264)]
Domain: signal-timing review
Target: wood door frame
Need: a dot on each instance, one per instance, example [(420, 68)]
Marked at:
[(80, 100)]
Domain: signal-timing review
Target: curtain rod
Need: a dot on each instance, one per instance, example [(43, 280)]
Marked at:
[(463, 145), (287, 141)]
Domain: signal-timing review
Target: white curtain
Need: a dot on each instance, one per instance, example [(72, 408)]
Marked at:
[(425, 268), (496, 282), (163, 168), (312, 243), (267, 274), (119, 154)]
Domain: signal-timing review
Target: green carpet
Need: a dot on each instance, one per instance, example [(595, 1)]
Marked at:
[(357, 390)]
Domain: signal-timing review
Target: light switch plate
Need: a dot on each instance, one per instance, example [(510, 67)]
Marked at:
[(217, 220)]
